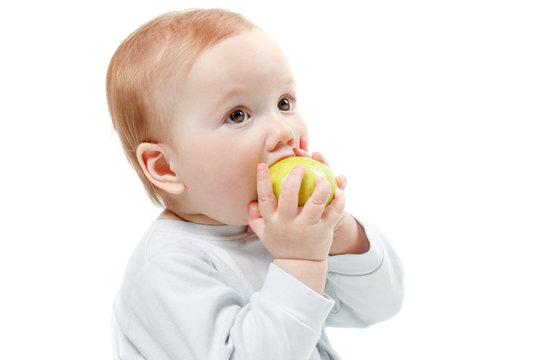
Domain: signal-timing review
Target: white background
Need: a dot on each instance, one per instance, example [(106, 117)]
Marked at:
[(431, 109)]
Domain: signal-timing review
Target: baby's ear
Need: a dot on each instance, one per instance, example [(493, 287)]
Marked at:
[(155, 165)]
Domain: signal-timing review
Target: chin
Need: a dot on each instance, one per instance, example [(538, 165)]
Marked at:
[(238, 219), (227, 218), (232, 213)]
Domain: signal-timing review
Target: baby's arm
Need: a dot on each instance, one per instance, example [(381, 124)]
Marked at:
[(299, 239), (349, 237), (367, 287), (365, 275)]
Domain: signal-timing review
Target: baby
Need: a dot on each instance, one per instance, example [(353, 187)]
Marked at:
[(203, 102)]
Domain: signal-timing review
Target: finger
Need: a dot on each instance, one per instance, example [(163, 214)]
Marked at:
[(256, 222), (288, 198), (318, 156), (300, 152), (304, 144), (267, 200), (314, 207), (335, 210), (341, 181), (257, 227), (253, 210)]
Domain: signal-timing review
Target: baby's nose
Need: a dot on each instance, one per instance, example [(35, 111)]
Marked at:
[(281, 134)]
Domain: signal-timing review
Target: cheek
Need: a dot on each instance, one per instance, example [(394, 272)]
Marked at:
[(229, 188), (239, 174), (229, 172)]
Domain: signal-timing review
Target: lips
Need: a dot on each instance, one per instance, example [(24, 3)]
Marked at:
[(281, 158)]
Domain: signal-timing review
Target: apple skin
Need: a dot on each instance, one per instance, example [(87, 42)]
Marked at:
[(314, 170)]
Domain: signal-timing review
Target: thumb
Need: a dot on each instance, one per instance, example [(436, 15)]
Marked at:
[(256, 222)]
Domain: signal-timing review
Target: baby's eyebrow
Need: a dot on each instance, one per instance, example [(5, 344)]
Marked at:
[(236, 90), (290, 82), (231, 92)]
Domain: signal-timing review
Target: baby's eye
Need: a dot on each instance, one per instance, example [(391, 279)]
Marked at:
[(285, 104), (236, 117)]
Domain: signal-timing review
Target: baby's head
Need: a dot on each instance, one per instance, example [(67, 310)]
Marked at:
[(199, 98)]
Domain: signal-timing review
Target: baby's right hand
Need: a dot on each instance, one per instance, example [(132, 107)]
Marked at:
[(290, 232)]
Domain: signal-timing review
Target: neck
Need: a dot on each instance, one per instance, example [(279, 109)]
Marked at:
[(169, 214)]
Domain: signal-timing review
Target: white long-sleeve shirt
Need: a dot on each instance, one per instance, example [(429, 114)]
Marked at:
[(197, 292)]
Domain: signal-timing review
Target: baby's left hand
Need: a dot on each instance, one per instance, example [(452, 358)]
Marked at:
[(303, 151), (349, 236)]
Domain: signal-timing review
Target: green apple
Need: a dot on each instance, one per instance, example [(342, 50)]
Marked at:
[(314, 170)]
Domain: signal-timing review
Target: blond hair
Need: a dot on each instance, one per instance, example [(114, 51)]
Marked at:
[(145, 60)]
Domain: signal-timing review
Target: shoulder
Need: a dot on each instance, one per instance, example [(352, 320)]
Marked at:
[(165, 251), (167, 241)]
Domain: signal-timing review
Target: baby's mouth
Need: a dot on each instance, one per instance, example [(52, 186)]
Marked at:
[(281, 158)]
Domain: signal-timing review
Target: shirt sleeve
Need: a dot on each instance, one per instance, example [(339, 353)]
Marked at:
[(181, 308), (367, 288)]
